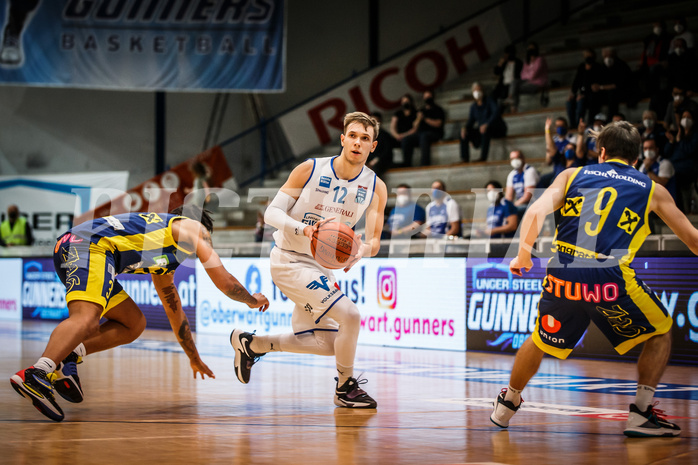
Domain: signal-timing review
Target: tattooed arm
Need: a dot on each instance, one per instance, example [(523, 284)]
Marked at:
[(164, 285)]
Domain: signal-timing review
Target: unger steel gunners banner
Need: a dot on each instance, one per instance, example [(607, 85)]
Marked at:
[(145, 44)]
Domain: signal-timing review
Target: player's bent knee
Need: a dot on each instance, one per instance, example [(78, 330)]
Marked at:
[(346, 313), (325, 342)]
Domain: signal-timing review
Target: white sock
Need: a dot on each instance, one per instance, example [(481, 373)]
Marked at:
[(644, 396), (344, 373), (80, 350), (45, 364), (263, 344), (513, 395)]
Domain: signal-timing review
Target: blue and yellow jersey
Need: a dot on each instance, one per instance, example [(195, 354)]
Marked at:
[(139, 242), (604, 213)]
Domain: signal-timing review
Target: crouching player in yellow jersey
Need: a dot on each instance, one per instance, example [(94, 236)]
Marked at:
[(87, 259), (602, 224)]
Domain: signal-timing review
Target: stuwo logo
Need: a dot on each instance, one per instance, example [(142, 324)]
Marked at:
[(387, 287), (319, 285), (550, 324)]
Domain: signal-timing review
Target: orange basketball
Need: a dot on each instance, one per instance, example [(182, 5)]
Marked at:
[(333, 244)]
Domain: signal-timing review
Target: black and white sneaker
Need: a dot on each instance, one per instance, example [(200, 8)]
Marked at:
[(34, 384), (67, 382), (350, 395), (503, 410), (244, 356), (11, 51), (650, 423)]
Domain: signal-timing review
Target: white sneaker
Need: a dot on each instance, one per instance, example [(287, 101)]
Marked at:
[(503, 410), (650, 423)]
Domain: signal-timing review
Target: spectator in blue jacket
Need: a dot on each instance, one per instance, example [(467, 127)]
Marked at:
[(484, 123)]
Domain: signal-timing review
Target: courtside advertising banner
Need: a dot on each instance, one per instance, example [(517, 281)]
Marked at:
[(50, 202), (43, 294), (147, 45), (11, 289), (415, 302), (502, 308), (428, 66)]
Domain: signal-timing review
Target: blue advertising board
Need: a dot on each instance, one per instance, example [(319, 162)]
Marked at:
[(134, 44)]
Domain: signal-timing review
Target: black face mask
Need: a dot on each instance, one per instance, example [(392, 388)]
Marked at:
[(531, 53), (406, 106), (429, 101), (589, 60)]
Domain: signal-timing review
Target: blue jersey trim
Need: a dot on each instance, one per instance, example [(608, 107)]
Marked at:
[(311, 173), (328, 309), (335, 173), (316, 329)]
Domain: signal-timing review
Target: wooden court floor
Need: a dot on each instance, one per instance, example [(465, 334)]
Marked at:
[(142, 406)]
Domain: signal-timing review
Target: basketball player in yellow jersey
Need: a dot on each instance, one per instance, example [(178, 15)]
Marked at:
[(87, 259), (602, 224), (325, 321)]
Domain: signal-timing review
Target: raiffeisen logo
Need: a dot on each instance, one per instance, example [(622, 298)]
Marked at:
[(387, 287)]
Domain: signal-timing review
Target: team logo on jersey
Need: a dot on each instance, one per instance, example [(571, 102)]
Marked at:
[(361, 194), (311, 218), (550, 324), (628, 221), (162, 260), (573, 206), (325, 181), (319, 285), (150, 218)]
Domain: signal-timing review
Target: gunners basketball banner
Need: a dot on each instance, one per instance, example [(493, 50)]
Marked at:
[(426, 67), (145, 44)]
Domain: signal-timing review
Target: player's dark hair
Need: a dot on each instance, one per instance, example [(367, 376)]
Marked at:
[(195, 213), (620, 139)]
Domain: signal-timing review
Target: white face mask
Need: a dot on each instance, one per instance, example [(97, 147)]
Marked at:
[(678, 51), (657, 30), (492, 196), (608, 61), (678, 28), (651, 154), (678, 98), (686, 123), (598, 127), (402, 200), (516, 163), (477, 94), (649, 123)]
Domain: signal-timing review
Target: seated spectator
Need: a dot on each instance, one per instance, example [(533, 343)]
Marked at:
[(615, 86), (430, 128), (658, 168), (508, 70), (681, 32), (586, 140), (443, 213), (557, 149), (651, 129), (534, 78), (381, 159), (402, 122), (682, 150), (680, 103), (406, 218), (15, 230), (484, 123), (502, 218), (521, 182), (682, 67), (582, 96), (655, 51)]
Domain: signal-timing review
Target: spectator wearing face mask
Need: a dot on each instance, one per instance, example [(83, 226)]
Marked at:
[(502, 217), (681, 31), (679, 103), (484, 123), (557, 149), (586, 140), (443, 213), (682, 150), (429, 129), (656, 167), (655, 51), (651, 129), (584, 92), (402, 122), (615, 84), (508, 71), (15, 230), (521, 182), (534, 78), (682, 69), (406, 218)]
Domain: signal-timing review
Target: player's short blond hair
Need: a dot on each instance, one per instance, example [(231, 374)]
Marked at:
[(365, 120)]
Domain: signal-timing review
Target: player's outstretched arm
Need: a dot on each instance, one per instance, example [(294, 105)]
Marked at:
[(374, 225), (164, 285), (663, 204), (533, 220)]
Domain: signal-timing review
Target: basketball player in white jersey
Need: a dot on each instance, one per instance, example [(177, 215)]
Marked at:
[(325, 321)]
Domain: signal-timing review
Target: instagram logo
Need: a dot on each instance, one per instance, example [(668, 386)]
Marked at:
[(387, 287)]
